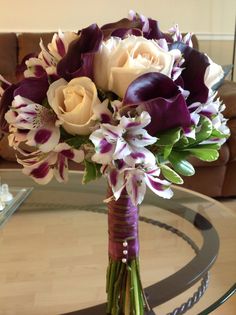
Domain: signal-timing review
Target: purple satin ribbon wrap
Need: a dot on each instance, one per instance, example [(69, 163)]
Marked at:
[(122, 228)]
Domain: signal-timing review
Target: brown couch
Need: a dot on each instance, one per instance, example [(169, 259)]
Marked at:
[(217, 179)]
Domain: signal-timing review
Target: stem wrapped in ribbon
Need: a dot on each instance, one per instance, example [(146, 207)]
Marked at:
[(124, 287)]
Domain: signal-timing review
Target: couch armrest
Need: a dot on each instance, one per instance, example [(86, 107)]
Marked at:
[(227, 93)]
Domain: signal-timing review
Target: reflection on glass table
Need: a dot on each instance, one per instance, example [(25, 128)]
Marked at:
[(54, 250)]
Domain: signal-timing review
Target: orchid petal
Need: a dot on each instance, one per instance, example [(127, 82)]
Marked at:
[(136, 187), (159, 187), (142, 157), (46, 138), (122, 149), (69, 152), (136, 123), (61, 169), (104, 149), (111, 132), (116, 181), (141, 138)]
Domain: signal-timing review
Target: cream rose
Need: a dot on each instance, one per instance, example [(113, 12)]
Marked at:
[(76, 104), (119, 62), (214, 73)]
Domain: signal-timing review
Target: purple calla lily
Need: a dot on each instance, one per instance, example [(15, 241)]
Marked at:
[(161, 98), (79, 59), (32, 88), (137, 25), (195, 66), (5, 104), (122, 28)]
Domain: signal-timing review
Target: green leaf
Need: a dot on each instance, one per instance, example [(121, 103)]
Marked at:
[(171, 175), (92, 172), (182, 142), (77, 141), (169, 137), (166, 151), (218, 134), (180, 164), (215, 146), (205, 131), (207, 154)]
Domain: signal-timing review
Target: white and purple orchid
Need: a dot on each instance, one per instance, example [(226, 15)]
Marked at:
[(40, 123), (127, 163), (135, 179), (48, 59), (42, 167), (124, 141)]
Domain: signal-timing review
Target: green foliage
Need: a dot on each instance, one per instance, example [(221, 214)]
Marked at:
[(166, 141), (73, 141), (92, 172), (77, 141), (169, 137), (102, 95), (205, 132), (180, 164), (204, 154), (217, 134), (171, 175)]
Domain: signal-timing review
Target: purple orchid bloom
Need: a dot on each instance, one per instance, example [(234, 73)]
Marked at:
[(43, 167), (79, 59), (161, 98)]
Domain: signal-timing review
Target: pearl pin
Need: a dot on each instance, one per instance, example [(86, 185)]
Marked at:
[(124, 260), (125, 244)]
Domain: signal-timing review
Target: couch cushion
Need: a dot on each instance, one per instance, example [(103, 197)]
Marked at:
[(227, 93), (232, 139), (229, 187), (8, 55), (207, 180), (29, 43)]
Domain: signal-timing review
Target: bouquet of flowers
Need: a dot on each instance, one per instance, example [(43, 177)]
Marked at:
[(128, 102)]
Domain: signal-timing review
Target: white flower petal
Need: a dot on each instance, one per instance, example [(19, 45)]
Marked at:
[(159, 187), (45, 138), (136, 186)]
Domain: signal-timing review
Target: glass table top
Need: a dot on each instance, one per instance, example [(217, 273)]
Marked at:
[(54, 249)]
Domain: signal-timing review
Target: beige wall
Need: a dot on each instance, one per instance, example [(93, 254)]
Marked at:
[(199, 16), (212, 20)]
